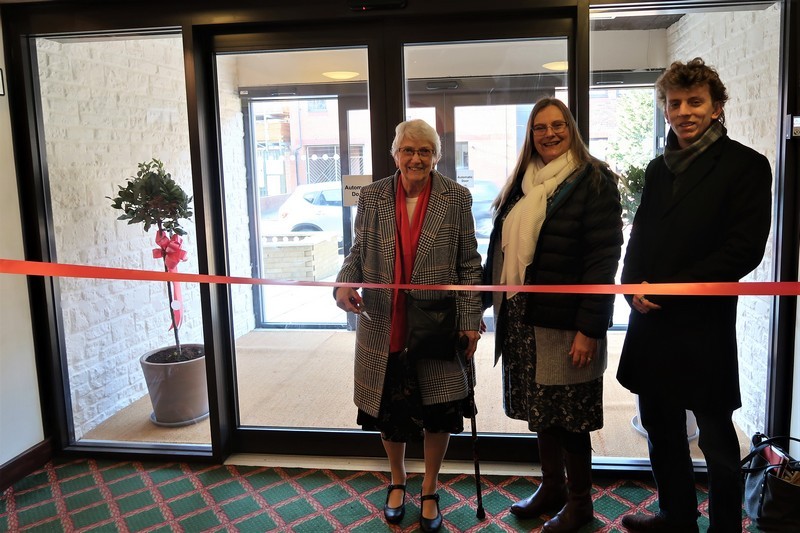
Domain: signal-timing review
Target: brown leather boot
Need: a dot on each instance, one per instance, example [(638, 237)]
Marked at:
[(656, 524), (579, 510), (552, 492)]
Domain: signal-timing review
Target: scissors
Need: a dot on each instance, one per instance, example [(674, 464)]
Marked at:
[(361, 311)]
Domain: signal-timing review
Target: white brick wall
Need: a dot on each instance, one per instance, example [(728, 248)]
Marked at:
[(744, 47), (108, 106), (236, 218)]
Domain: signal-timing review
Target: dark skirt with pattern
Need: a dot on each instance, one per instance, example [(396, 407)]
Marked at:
[(402, 417), (575, 408)]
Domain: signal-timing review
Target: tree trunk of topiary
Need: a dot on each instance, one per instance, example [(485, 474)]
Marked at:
[(172, 312)]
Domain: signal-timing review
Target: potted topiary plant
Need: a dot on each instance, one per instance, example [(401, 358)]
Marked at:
[(175, 375), (631, 186)]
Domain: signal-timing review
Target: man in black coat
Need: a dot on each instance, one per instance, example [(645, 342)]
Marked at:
[(704, 217)]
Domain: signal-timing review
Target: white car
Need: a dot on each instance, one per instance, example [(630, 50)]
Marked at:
[(318, 207), (313, 207)]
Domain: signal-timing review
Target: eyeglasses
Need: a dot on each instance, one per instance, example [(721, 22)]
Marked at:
[(423, 153), (540, 130)]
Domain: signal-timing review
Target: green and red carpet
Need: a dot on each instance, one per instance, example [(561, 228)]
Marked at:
[(88, 495)]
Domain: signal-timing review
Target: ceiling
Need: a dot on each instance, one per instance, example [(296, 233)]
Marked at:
[(631, 21), (618, 22)]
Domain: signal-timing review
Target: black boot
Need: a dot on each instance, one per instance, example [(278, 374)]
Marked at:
[(579, 510), (552, 492)]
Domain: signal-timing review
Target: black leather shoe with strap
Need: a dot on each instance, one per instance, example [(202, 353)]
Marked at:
[(430, 525), (394, 515)]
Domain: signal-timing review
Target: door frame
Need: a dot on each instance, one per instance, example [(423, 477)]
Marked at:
[(384, 39), (198, 23)]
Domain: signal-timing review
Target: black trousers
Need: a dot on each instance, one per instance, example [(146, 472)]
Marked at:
[(672, 463)]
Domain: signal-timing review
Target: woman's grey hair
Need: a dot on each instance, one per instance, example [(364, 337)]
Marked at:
[(417, 130)]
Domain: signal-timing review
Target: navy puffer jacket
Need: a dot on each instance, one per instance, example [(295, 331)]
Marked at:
[(580, 243)]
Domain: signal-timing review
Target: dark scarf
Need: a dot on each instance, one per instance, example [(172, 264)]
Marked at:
[(678, 160), (407, 234)]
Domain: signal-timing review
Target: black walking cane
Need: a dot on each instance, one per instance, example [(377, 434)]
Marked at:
[(463, 342)]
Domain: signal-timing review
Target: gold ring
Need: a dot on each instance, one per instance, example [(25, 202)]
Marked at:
[(641, 299)]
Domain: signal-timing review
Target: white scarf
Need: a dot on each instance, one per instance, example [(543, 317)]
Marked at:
[(523, 224)]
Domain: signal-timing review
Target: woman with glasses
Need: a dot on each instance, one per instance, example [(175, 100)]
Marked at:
[(557, 221), (414, 227)]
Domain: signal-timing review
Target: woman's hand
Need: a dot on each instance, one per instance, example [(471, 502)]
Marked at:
[(642, 304), (473, 337), (348, 299), (583, 350)]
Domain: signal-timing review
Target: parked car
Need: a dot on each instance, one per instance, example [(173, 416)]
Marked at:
[(313, 207), (483, 194), (318, 207)]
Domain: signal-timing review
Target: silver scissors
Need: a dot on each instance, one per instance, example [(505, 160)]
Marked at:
[(361, 310)]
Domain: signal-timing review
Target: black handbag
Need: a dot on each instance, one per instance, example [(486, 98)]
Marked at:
[(432, 328), (771, 485)]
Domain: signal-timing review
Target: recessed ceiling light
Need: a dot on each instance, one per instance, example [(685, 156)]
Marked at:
[(340, 74), (556, 65)]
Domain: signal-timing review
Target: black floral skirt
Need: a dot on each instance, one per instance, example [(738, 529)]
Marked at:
[(576, 408), (402, 417)]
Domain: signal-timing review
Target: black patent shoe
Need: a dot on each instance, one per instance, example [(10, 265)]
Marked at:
[(394, 515), (430, 524)]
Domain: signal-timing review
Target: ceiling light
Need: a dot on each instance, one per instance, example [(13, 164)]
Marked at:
[(340, 74), (559, 66)]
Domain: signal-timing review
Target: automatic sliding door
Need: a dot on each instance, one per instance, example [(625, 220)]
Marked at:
[(481, 106), (300, 136), (291, 134), (478, 95), (293, 123)]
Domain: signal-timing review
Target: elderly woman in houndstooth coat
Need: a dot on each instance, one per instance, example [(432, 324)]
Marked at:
[(415, 227)]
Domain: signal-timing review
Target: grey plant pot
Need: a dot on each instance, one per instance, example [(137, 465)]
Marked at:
[(178, 391)]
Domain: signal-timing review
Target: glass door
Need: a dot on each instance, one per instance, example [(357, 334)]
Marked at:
[(630, 49), (98, 131), (480, 109), (291, 134), (304, 128), (299, 122)]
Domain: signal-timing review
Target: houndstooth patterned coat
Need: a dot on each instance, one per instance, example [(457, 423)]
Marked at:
[(447, 254)]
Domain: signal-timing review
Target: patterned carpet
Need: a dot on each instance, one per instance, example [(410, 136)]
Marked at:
[(99, 496)]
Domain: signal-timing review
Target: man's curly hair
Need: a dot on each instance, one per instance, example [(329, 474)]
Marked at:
[(687, 75)]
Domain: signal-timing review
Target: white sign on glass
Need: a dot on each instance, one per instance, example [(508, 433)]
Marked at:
[(351, 186)]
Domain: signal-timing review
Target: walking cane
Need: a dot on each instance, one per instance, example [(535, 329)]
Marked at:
[(462, 344)]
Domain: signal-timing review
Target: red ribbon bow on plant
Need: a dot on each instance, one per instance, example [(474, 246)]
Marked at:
[(172, 253)]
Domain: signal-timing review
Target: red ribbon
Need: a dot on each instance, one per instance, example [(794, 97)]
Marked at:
[(170, 249), (720, 288)]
